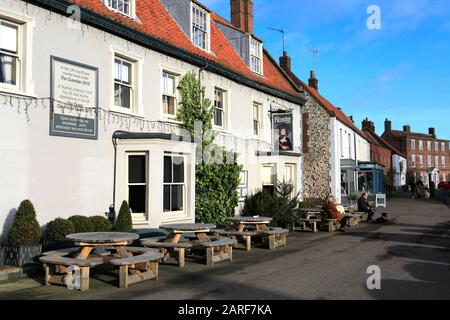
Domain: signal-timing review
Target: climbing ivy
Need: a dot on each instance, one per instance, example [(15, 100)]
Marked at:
[(216, 182)]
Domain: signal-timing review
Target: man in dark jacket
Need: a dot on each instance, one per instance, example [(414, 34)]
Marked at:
[(363, 206)]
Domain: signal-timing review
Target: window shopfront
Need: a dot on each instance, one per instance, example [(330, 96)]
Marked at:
[(371, 178)]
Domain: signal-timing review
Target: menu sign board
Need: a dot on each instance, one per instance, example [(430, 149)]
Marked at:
[(74, 93), (282, 132)]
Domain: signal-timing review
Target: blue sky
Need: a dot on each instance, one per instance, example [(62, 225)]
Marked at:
[(400, 72)]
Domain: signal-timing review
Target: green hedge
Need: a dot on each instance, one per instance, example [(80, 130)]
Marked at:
[(25, 229), (58, 229), (81, 224), (100, 224)]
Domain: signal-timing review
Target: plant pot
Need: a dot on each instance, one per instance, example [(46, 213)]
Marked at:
[(2, 256), (22, 255)]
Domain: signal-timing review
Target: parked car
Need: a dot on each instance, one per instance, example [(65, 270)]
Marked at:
[(444, 185)]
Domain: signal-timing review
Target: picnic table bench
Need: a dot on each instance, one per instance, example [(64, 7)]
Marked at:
[(307, 224), (171, 251), (218, 250), (239, 236)]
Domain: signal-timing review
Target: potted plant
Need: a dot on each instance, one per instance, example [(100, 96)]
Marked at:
[(56, 232), (124, 222), (23, 237)]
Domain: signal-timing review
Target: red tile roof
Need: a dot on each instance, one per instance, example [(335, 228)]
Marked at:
[(158, 23), (401, 134), (372, 137)]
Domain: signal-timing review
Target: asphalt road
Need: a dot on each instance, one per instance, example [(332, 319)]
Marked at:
[(413, 254)]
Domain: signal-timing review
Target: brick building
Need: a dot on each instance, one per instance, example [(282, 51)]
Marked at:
[(428, 157)]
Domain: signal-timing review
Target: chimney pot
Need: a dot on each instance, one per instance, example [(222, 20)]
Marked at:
[(432, 132), (312, 81), (387, 125), (407, 128), (286, 62), (242, 15)]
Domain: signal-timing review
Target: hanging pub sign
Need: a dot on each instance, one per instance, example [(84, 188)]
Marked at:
[(74, 103), (282, 132)]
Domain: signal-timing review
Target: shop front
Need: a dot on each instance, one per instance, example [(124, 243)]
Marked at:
[(371, 178)]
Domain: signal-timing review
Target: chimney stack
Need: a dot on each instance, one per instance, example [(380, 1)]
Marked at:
[(242, 15), (312, 81), (407, 128), (368, 125), (351, 118), (432, 132), (286, 62), (387, 125)]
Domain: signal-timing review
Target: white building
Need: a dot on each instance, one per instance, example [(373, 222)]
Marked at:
[(118, 69)]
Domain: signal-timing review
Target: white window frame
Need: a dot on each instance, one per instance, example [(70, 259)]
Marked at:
[(259, 49), (136, 74), (24, 84), (273, 174), (207, 47), (131, 7), (443, 162), (258, 119), (443, 146), (173, 95), (420, 144), (180, 213), (146, 184), (413, 160), (341, 142), (421, 161), (436, 161), (224, 109), (436, 146), (413, 144), (429, 160), (429, 145)]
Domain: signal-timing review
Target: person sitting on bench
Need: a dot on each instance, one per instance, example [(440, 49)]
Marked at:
[(363, 206), (335, 213)]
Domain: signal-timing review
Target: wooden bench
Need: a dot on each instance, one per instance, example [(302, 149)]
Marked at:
[(274, 237), (307, 224), (218, 250), (244, 236), (330, 225), (57, 269), (170, 250), (137, 268)]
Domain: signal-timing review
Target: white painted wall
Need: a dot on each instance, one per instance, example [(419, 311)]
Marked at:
[(66, 176), (398, 163)]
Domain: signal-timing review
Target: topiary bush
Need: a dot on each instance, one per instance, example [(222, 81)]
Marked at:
[(124, 222), (100, 224), (25, 228), (58, 229), (81, 224)]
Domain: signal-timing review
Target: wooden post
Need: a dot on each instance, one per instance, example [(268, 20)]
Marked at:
[(248, 243), (272, 242), (314, 226), (154, 268), (84, 253), (230, 252), (84, 281), (210, 256), (181, 257), (123, 279), (47, 274)]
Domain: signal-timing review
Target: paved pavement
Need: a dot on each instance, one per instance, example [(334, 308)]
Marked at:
[(413, 254)]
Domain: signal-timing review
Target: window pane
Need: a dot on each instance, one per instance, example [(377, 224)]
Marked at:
[(177, 198), (167, 169), (137, 198), (125, 93), (166, 200), (169, 105), (8, 37), (7, 69), (137, 169), (178, 169), (218, 118), (117, 101), (117, 67), (126, 72)]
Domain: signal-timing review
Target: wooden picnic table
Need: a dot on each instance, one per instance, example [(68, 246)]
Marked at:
[(176, 231), (91, 240), (242, 223)]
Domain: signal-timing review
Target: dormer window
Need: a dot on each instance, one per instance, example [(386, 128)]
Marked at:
[(125, 7), (200, 27), (256, 56)]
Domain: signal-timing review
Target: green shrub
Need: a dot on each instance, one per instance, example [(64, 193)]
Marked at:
[(25, 228), (281, 206), (81, 224), (58, 229), (124, 222), (100, 224)]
